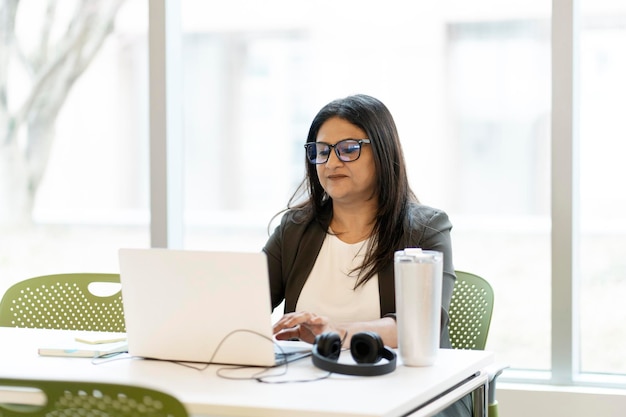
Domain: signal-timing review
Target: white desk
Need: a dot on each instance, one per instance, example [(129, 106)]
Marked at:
[(418, 392)]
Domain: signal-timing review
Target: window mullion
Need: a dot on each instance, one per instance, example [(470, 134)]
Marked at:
[(564, 159), (166, 165)]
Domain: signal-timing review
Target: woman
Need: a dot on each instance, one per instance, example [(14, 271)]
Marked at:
[(331, 257)]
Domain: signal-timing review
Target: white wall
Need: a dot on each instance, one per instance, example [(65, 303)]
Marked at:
[(517, 400)]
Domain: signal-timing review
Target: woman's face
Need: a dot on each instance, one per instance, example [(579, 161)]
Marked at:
[(346, 182)]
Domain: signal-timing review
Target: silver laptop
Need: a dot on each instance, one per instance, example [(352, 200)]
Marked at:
[(200, 306)]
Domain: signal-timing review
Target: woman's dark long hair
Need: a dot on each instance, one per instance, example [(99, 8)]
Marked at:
[(392, 186)]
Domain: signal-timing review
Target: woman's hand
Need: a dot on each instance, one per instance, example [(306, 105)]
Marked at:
[(305, 326), (302, 325)]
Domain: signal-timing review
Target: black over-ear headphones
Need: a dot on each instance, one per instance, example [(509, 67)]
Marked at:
[(367, 350)]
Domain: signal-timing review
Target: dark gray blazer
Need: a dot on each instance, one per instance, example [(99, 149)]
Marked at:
[(293, 248)]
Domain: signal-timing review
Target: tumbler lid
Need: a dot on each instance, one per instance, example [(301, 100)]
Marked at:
[(417, 255)]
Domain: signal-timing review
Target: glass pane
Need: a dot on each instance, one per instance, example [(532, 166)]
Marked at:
[(73, 169), (499, 185), (469, 90), (603, 201)]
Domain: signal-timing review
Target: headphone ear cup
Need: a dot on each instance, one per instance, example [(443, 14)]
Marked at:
[(366, 347), (328, 345)]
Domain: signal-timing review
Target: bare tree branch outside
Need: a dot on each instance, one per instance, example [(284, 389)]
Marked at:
[(64, 46)]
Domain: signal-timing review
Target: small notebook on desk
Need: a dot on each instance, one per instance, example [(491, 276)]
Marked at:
[(200, 306), (86, 345)]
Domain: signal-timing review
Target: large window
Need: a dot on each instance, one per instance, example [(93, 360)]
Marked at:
[(470, 88), (470, 85)]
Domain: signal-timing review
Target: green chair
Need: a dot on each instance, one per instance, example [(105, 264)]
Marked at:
[(64, 301), (87, 399), (470, 317), (470, 311)]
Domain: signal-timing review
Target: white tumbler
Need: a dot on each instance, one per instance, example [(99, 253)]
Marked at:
[(418, 280)]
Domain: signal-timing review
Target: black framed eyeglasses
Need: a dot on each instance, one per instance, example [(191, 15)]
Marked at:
[(347, 150)]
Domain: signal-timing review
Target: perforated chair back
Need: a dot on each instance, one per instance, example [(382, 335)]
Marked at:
[(470, 311), (89, 399), (64, 301)]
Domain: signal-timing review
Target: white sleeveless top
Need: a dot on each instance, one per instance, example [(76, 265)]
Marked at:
[(329, 290)]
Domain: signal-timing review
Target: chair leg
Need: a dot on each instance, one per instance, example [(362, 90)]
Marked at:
[(479, 402)]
